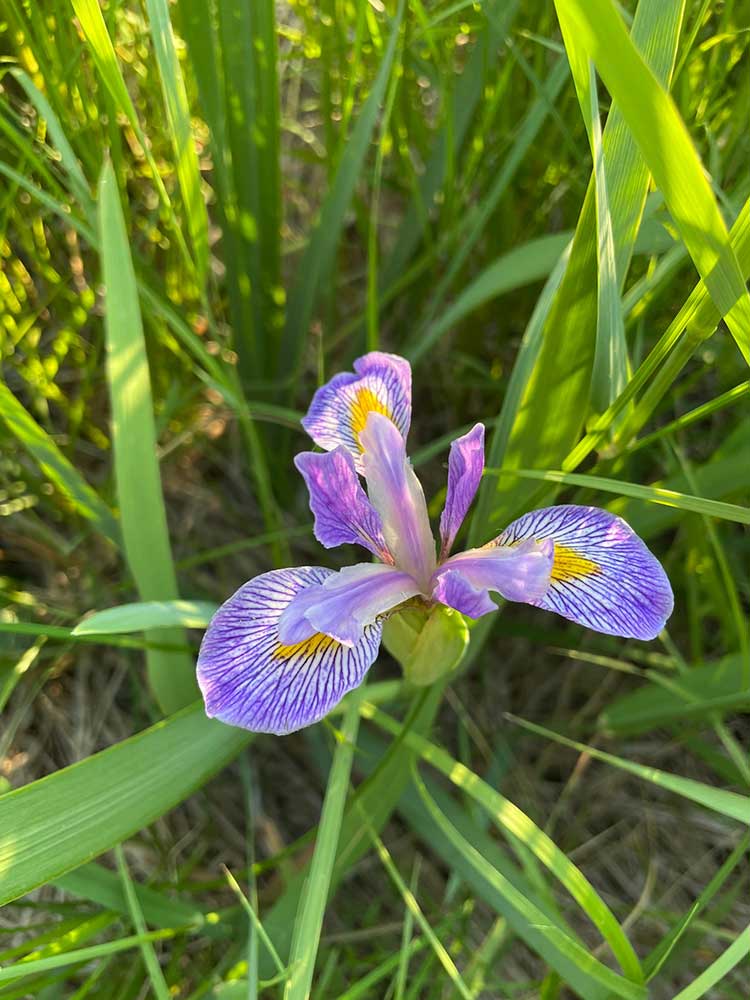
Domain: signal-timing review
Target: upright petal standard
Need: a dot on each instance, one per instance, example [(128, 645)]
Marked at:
[(287, 647)]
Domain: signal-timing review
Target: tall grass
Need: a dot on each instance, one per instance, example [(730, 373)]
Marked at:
[(206, 210)]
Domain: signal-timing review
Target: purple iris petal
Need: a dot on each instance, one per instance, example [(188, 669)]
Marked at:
[(516, 572), (339, 410), (340, 505), (603, 576), (346, 603), (397, 495), (465, 467), (250, 679)]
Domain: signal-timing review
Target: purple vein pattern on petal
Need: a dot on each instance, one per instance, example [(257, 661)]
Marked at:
[(397, 495), (603, 576), (346, 603), (340, 505), (465, 467), (517, 573), (250, 679), (339, 409)]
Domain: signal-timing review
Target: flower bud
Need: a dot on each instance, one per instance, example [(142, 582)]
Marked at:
[(428, 643)]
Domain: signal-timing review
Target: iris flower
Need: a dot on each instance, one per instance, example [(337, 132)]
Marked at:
[(289, 644)]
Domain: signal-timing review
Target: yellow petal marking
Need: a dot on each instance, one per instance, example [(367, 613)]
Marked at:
[(316, 644), (365, 402), (571, 565)]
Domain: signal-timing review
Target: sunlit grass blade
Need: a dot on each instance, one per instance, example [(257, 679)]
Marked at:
[(737, 952), (554, 403), (102, 50), (53, 825), (56, 466), (178, 117), (603, 976), (145, 615), (319, 254), (656, 959), (79, 185), (312, 904), (515, 822), (669, 154), (652, 494), (78, 955), (144, 522), (716, 799)]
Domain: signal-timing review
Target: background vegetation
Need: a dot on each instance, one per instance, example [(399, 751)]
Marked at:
[(207, 209)]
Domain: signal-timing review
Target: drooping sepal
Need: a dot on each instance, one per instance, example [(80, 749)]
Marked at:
[(250, 679)]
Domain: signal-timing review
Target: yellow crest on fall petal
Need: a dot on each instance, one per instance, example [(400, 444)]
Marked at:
[(365, 402), (571, 565)]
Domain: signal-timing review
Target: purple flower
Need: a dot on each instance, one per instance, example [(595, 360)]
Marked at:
[(289, 644)]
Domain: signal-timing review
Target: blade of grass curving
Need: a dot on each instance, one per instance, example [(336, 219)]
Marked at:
[(717, 970), (724, 399), (181, 135), (695, 323), (703, 690), (656, 959), (92, 22), (670, 155), (312, 905), (56, 466), (569, 947), (68, 158), (148, 954), (652, 494), (718, 800), (144, 522), (377, 798), (414, 813), (517, 824), (523, 265), (79, 955), (142, 616), (560, 381), (319, 254), (55, 824), (416, 911)]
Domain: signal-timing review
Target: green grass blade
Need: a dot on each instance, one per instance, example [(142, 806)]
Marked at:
[(55, 824), (670, 155), (575, 952), (56, 466), (523, 265), (68, 158), (696, 694), (309, 920), (514, 821), (716, 799), (144, 615), (102, 50), (738, 951), (652, 494), (181, 134), (318, 257), (148, 954), (144, 522), (561, 379)]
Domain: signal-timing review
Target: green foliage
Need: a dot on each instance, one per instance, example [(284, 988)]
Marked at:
[(207, 209)]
